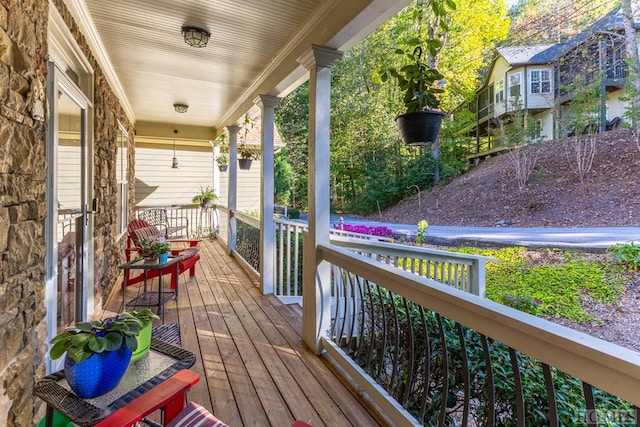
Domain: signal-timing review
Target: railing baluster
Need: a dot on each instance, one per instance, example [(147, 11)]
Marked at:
[(590, 405), (427, 365), (395, 345), (517, 379), (490, 385), (551, 396), (465, 376), (445, 373), (404, 399)]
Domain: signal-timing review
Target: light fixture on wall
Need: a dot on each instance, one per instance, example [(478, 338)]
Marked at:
[(181, 108), (174, 161), (195, 36)]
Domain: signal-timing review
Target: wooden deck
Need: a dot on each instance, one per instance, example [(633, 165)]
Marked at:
[(254, 369)]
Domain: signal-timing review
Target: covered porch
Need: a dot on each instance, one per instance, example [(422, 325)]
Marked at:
[(254, 368)]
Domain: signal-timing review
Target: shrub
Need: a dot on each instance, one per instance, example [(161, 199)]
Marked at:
[(627, 254)]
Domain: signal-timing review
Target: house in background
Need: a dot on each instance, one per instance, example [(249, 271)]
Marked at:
[(536, 78)]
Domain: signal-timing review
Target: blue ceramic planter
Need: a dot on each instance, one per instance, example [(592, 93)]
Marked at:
[(99, 374), (162, 258)]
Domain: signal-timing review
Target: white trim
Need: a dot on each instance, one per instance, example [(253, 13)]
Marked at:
[(78, 9)]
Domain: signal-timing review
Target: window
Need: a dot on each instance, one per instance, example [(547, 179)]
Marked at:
[(500, 91), (540, 81), (537, 130), (514, 85), (122, 180)]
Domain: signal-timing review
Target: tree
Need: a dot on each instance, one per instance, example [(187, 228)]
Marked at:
[(284, 178)]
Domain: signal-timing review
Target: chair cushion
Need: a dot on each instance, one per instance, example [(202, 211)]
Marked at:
[(147, 233), (194, 415), (188, 253)]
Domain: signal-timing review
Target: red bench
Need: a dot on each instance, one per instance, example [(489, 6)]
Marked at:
[(139, 229)]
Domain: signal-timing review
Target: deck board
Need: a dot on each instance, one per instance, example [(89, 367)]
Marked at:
[(254, 368)]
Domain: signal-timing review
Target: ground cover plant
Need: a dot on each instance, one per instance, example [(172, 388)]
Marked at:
[(550, 283)]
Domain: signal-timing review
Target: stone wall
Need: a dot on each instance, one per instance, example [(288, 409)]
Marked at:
[(23, 172)]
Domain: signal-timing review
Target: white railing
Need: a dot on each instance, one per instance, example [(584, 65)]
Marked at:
[(528, 346), (189, 220), (463, 271)]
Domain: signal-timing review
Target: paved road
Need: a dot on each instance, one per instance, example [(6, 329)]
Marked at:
[(572, 237)]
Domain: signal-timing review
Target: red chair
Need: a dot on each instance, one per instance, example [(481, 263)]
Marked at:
[(139, 229)]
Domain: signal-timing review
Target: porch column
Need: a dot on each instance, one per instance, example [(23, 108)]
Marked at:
[(267, 104), (233, 185), (316, 299)]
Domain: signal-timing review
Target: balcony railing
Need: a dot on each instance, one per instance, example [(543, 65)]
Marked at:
[(429, 354), (188, 220), (463, 271)]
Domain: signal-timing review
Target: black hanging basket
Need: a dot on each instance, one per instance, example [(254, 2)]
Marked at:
[(223, 168), (419, 128), (244, 163)]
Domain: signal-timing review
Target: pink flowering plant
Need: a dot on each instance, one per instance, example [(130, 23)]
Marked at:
[(380, 231)]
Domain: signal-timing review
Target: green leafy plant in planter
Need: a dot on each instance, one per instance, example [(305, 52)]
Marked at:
[(98, 353), (419, 82), (223, 162), (205, 198), (145, 316), (153, 248)]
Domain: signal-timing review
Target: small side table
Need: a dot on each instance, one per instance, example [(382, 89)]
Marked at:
[(148, 298), (163, 361)]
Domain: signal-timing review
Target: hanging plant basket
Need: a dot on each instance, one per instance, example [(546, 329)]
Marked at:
[(223, 168), (420, 127), (244, 163)]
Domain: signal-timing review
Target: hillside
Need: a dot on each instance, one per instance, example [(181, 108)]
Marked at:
[(488, 194)]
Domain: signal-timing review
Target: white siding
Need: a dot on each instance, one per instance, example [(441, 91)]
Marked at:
[(498, 74), (546, 118), (248, 188), (615, 106), (69, 175), (539, 100), (158, 184)]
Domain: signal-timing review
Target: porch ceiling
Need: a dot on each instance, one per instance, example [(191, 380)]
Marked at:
[(253, 50)]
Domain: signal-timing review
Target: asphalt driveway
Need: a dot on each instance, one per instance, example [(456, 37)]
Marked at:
[(572, 237)]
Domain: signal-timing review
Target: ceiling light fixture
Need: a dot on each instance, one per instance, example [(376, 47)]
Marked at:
[(195, 36), (181, 108), (174, 161)]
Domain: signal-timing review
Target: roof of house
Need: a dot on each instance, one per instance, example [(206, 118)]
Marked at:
[(521, 55)]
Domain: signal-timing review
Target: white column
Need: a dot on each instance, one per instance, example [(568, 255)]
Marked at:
[(316, 314), (233, 185), (267, 177)]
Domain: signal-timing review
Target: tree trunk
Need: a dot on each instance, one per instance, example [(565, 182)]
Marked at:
[(631, 48)]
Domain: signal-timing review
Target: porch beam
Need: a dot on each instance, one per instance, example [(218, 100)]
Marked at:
[(316, 297), (267, 105), (233, 186)]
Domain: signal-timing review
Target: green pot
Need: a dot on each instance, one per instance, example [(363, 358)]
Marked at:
[(144, 342)]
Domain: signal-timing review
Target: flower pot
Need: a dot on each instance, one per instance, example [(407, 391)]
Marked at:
[(144, 342), (244, 163), (420, 127), (99, 374), (223, 168), (162, 258)]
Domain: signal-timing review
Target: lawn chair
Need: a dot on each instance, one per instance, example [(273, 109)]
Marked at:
[(159, 218), (169, 397), (139, 229)]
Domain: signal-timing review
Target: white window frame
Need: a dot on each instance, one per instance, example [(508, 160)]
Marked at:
[(512, 77), (499, 92), (122, 180), (540, 81)]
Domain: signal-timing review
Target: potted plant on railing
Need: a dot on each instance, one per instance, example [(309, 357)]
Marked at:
[(421, 121), (205, 198), (98, 353)]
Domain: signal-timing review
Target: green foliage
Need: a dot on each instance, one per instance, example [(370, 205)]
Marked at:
[(83, 339), (153, 248), (585, 104), (205, 196), (517, 282), (627, 254), (421, 231), (284, 178)]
